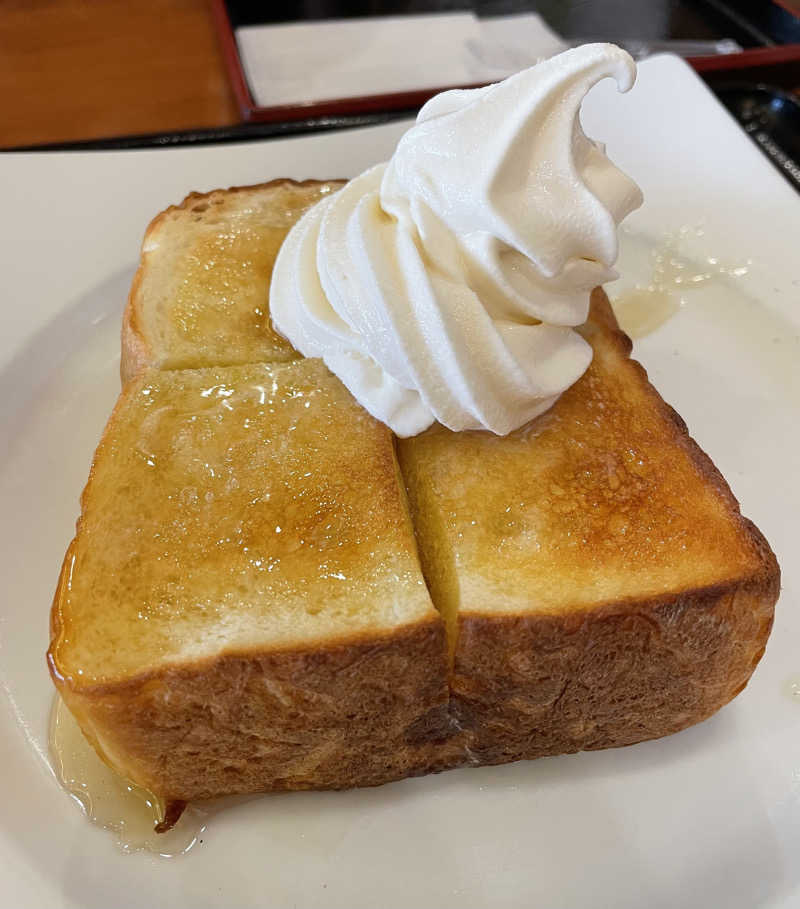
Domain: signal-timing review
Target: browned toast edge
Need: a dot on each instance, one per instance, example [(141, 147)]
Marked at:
[(526, 686), (351, 713)]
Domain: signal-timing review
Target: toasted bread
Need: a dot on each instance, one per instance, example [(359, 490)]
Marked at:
[(599, 581), (201, 294), (594, 579), (242, 607)]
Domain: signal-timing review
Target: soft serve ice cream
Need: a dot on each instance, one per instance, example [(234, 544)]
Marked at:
[(445, 284)]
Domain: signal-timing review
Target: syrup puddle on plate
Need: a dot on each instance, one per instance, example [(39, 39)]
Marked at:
[(792, 688), (674, 276), (109, 801)]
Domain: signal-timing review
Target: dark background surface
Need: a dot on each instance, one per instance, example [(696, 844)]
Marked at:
[(750, 22)]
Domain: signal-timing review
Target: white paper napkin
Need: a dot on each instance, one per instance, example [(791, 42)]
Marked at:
[(298, 63)]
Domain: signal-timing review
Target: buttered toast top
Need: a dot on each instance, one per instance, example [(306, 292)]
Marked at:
[(201, 294), (232, 509), (602, 499)]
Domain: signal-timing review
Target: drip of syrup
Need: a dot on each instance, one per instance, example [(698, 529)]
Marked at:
[(644, 309), (109, 801), (674, 276)]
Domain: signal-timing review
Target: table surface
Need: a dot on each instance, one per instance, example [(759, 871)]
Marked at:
[(73, 70), (82, 69)]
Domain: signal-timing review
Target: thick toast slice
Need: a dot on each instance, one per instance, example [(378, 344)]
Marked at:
[(242, 607), (599, 582), (201, 294), (596, 579)]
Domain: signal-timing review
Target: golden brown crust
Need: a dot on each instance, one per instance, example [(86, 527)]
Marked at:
[(557, 670), (530, 686), (357, 714), (603, 315)]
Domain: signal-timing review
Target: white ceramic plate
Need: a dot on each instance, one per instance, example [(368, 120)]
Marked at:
[(709, 817)]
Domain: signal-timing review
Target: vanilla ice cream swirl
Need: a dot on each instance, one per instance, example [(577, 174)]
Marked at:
[(445, 284)]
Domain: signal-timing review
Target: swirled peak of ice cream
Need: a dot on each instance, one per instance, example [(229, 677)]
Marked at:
[(445, 284)]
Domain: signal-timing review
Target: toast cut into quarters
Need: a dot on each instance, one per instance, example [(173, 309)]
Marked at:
[(243, 606)]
